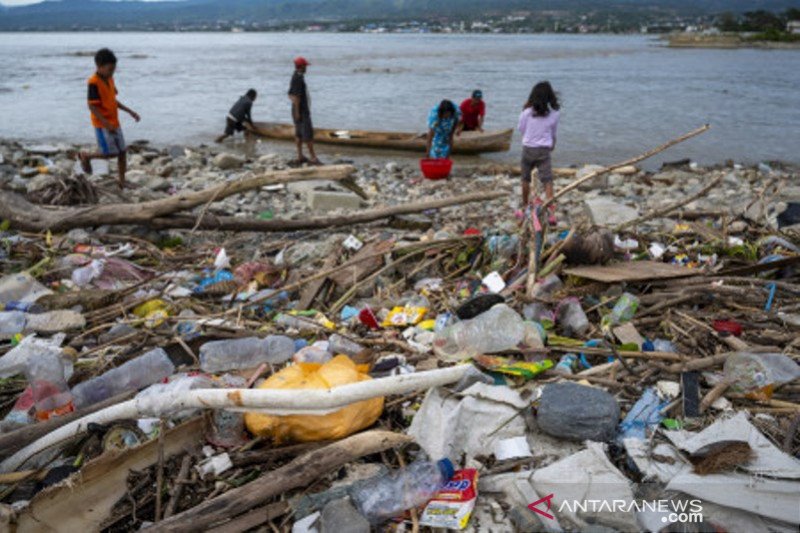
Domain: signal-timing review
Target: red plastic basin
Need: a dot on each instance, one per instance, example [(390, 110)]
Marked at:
[(436, 169)]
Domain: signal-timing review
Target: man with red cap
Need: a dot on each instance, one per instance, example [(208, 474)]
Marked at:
[(301, 112)]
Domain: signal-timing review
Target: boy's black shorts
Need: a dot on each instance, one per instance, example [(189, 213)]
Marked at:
[(232, 126)]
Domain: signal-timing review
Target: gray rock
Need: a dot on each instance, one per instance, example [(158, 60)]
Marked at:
[(28, 172), (330, 200), (577, 412), (604, 211), (43, 149), (340, 515), (598, 182), (226, 161), (40, 182)]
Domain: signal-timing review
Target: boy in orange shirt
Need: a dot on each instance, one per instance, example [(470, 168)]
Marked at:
[(104, 108)]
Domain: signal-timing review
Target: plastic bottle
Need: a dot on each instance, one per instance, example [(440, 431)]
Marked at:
[(662, 345), (146, 369), (624, 309), (566, 363), (25, 307), (83, 276), (11, 323), (498, 329), (385, 497), (753, 372), (546, 287), (312, 354), (342, 345), (572, 318), (249, 352), (540, 313), (46, 374)]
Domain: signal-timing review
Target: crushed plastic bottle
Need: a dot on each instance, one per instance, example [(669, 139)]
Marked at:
[(11, 323), (47, 376), (342, 345), (385, 497), (146, 369), (571, 318), (566, 364), (83, 276), (498, 329), (540, 313), (312, 354), (25, 307), (623, 310), (548, 286), (759, 373), (249, 352)]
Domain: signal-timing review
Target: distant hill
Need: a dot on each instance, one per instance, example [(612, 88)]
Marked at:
[(128, 14)]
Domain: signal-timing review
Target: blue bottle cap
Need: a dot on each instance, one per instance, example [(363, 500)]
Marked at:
[(447, 468)]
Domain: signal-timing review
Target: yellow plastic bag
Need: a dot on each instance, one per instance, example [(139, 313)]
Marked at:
[(341, 370)]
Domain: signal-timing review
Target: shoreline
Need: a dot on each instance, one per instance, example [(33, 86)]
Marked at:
[(362, 155), (725, 42)]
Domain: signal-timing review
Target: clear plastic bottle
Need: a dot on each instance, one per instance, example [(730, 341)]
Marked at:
[(83, 276), (752, 372), (566, 364), (545, 288), (342, 345), (248, 352), (11, 323), (572, 318), (498, 329), (624, 309), (136, 374), (312, 354), (385, 497), (47, 377)]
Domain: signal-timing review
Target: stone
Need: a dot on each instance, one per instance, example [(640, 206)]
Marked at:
[(604, 211), (673, 177), (176, 151), (578, 412), (598, 182), (226, 161), (28, 172), (330, 200), (616, 180), (340, 515), (43, 149), (166, 171), (42, 181), (157, 183)]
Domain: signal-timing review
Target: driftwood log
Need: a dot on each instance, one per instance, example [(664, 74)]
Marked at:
[(26, 216), (211, 222), (299, 473), (164, 213)]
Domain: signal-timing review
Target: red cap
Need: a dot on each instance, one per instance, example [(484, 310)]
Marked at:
[(301, 61)]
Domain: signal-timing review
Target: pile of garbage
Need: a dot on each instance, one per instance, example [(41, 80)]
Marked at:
[(405, 373)]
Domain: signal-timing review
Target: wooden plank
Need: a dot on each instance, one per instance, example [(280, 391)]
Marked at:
[(254, 518), (362, 267), (632, 271), (311, 290), (84, 501)]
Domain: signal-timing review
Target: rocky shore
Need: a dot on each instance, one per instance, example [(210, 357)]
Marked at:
[(760, 193)]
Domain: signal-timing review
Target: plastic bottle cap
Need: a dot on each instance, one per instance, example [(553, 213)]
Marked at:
[(447, 468)]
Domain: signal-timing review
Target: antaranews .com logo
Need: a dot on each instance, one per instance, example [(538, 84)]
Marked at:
[(673, 511)]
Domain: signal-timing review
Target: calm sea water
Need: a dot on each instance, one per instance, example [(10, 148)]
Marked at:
[(621, 94)]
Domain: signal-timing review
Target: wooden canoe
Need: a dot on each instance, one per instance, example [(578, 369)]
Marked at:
[(469, 142)]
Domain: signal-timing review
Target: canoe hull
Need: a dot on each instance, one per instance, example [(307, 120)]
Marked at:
[(469, 142)]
